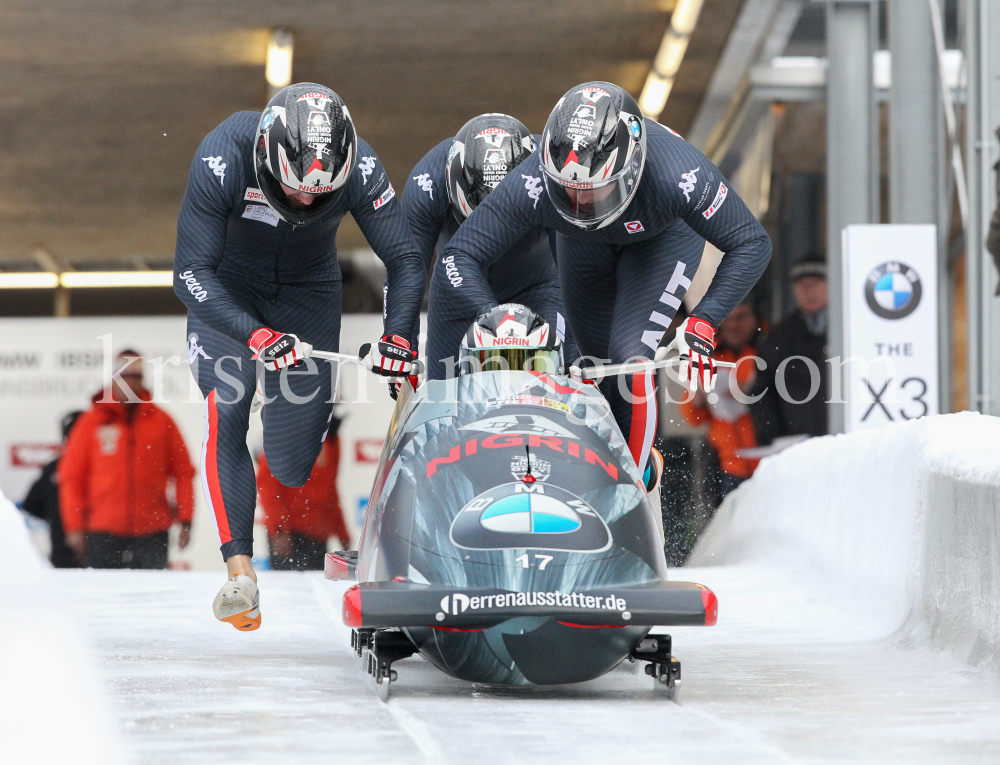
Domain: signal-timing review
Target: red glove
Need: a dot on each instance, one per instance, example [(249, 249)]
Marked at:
[(390, 357), (694, 342), (276, 349), (413, 380), (396, 385)]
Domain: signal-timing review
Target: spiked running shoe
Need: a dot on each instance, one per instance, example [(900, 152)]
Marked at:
[(238, 603), (654, 470)]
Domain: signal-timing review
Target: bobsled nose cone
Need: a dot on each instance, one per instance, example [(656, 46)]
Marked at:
[(352, 607), (711, 606)]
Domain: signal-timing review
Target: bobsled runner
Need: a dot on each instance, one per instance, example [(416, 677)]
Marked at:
[(509, 540)]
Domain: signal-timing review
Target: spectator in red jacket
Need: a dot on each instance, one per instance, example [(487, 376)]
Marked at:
[(122, 455), (730, 427), (300, 521)]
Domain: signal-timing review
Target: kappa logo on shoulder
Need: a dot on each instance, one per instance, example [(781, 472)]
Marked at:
[(689, 179), (367, 167), (217, 166), (533, 184), (425, 183), (634, 226)]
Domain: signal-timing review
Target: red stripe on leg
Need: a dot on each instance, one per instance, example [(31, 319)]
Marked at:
[(637, 431), (212, 471)]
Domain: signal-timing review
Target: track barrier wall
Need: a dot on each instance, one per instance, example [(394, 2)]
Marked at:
[(901, 525), (51, 708)]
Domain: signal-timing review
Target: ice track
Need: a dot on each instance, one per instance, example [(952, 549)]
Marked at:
[(859, 622), (780, 679)]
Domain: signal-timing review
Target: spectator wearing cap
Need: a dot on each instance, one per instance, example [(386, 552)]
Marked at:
[(725, 412), (42, 501), (124, 459), (795, 408)]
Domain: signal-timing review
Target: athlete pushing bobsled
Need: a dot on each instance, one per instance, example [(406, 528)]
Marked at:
[(256, 266), (632, 204), (445, 186)]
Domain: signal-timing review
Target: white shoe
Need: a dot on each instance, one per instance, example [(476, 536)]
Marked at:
[(238, 603)]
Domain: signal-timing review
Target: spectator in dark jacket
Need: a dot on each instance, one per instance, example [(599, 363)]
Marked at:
[(795, 399), (43, 502)]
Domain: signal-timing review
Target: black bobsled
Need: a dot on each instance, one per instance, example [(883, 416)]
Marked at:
[(509, 540)]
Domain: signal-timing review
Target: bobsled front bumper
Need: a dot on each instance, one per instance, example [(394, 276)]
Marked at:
[(407, 604)]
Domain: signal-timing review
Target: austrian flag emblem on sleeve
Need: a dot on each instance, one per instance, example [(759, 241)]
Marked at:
[(388, 194)]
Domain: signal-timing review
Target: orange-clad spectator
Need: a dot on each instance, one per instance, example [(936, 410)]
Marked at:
[(730, 427), (301, 520), (121, 457)]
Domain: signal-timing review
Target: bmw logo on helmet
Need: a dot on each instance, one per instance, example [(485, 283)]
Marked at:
[(893, 290), (267, 121), (537, 516), (635, 128)]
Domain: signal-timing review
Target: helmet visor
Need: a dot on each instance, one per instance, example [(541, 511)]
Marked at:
[(301, 208), (513, 359), (586, 203)]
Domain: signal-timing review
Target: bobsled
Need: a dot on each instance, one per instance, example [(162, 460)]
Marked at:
[(509, 540)]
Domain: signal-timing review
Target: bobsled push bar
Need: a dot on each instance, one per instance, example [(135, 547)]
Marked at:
[(590, 373), (346, 358), (631, 368), (343, 358), (408, 604)]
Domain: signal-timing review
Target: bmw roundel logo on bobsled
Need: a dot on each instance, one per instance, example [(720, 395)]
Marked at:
[(530, 515), (508, 537)]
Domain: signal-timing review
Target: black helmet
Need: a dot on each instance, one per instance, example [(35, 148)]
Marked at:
[(593, 152), (511, 337), (306, 141), (484, 151)]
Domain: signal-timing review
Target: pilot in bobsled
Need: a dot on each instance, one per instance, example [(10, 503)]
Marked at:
[(509, 538)]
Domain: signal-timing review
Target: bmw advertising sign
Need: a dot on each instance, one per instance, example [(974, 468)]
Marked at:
[(890, 324), (893, 290)]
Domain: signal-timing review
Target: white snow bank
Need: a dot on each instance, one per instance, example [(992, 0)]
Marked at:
[(50, 710), (902, 525)]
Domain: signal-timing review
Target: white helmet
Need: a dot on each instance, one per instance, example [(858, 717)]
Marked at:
[(511, 337)]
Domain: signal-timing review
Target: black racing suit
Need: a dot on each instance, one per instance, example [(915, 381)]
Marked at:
[(525, 273), (239, 267), (622, 283)]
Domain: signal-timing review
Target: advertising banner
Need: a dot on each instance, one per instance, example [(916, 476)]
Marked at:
[(57, 365), (890, 366)]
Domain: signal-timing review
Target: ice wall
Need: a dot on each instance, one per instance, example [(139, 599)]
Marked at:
[(900, 524), (50, 708)]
